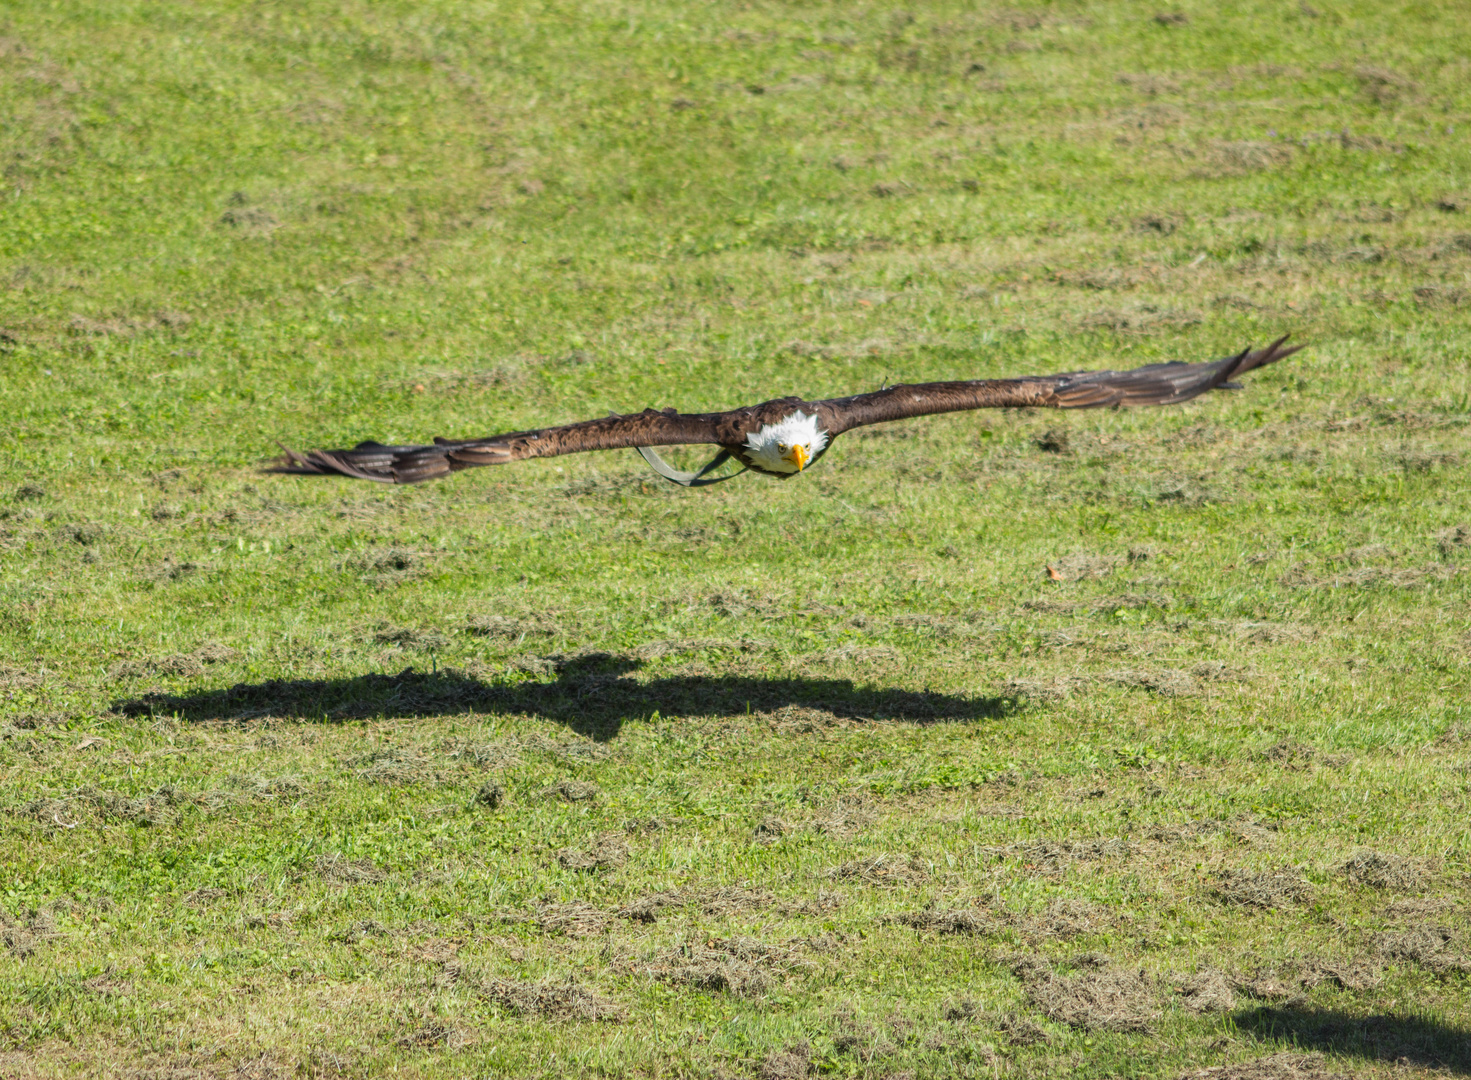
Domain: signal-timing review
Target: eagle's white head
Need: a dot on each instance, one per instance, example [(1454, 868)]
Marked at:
[(787, 446)]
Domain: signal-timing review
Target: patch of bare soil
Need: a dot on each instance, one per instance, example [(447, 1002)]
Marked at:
[(883, 869), (1385, 870), (1206, 991), (251, 220), (1244, 888), (1104, 999), (742, 967), (608, 852), (1287, 1066), (556, 1001)]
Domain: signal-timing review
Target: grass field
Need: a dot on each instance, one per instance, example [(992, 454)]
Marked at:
[(559, 770)]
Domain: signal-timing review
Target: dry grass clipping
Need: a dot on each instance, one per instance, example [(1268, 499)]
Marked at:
[(571, 791), (22, 937), (1244, 888), (950, 922), (395, 765), (608, 852), (1286, 1066), (724, 900), (741, 967), (884, 869), (1430, 947), (555, 1001), (345, 871), (1382, 870), (1108, 999), (1052, 857), (1206, 991), (575, 918)]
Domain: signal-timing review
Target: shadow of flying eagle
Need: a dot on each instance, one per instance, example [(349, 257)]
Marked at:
[(783, 437)]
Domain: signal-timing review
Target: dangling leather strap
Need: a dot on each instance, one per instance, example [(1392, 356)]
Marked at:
[(688, 479)]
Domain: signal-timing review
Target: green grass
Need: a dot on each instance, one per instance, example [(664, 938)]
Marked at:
[(255, 724)]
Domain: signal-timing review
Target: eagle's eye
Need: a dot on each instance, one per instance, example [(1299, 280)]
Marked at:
[(781, 448)]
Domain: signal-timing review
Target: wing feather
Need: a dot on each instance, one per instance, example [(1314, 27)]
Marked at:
[(416, 464), (1155, 384)]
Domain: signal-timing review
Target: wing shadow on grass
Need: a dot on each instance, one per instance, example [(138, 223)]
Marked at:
[(1413, 1040), (592, 695)]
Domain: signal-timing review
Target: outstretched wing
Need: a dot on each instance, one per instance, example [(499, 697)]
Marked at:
[(1155, 384), (414, 464)]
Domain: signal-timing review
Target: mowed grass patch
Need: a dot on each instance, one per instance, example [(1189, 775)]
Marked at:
[(1099, 743)]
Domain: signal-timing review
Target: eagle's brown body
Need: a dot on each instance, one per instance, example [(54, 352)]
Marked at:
[(1155, 384)]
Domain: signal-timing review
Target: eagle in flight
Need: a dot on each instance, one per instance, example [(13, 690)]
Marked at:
[(782, 438)]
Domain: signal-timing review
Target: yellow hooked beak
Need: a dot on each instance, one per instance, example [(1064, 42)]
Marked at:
[(798, 456)]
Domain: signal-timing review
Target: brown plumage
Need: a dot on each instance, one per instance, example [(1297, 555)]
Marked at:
[(1154, 384)]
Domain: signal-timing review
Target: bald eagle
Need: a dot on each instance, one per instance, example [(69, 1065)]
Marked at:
[(784, 437)]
